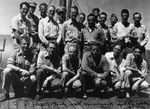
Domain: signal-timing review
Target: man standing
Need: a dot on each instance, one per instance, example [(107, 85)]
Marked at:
[(43, 10), (91, 33), (113, 39), (95, 69), (123, 31), (140, 31), (81, 20), (20, 65), (101, 24), (71, 29), (48, 69), (21, 26), (96, 12), (34, 23), (48, 28)]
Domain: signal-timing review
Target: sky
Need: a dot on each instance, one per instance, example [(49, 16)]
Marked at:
[(10, 8)]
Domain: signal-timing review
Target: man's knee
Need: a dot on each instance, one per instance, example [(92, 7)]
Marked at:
[(64, 74), (39, 72), (32, 78), (76, 84), (7, 71), (128, 72), (56, 84), (145, 84)]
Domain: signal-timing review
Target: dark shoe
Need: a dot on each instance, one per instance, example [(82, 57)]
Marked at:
[(38, 97), (4, 97)]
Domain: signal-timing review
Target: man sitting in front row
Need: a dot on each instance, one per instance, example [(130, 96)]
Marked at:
[(96, 67)]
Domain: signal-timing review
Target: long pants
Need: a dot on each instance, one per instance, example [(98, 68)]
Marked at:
[(94, 82), (41, 75), (12, 77)]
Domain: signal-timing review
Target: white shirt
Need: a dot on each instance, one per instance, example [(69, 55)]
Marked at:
[(122, 31), (48, 28)]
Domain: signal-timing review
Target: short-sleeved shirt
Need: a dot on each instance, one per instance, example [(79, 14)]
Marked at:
[(73, 66), (96, 35), (141, 34), (48, 28), (122, 31), (70, 31), (89, 62), (23, 26), (23, 60), (45, 59)]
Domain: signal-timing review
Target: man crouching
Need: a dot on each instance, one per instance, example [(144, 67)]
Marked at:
[(71, 69), (95, 70), (48, 71), (20, 68)]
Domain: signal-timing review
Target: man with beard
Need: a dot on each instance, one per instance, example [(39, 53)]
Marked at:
[(21, 26), (48, 70), (91, 33), (48, 28), (20, 65), (140, 31), (101, 24), (113, 39), (71, 29), (95, 70), (136, 70), (43, 10), (71, 69)]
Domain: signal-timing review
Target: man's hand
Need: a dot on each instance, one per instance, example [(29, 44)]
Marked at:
[(100, 75), (24, 72)]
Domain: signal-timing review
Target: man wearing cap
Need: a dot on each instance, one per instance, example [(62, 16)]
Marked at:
[(95, 69), (71, 69), (47, 70), (34, 22), (21, 26), (48, 28), (21, 66)]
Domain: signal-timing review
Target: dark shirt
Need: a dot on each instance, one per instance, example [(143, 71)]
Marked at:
[(89, 65)]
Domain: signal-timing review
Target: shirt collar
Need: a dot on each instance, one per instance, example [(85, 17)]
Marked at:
[(48, 20), (20, 18)]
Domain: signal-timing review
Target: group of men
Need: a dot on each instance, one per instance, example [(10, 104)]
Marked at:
[(62, 55)]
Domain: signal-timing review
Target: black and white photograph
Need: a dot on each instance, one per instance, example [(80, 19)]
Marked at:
[(75, 54)]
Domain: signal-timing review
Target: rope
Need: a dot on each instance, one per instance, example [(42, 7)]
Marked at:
[(50, 2), (78, 5)]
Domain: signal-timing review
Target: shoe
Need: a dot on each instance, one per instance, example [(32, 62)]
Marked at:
[(38, 97), (4, 97), (127, 95), (84, 96)]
